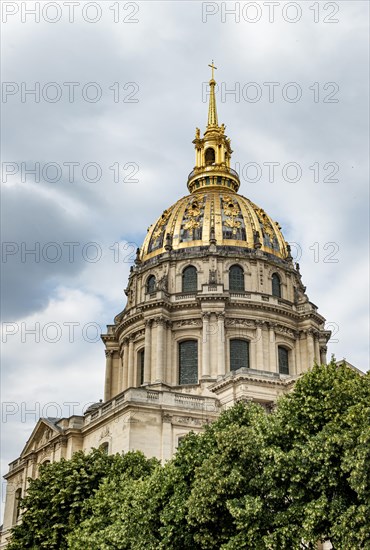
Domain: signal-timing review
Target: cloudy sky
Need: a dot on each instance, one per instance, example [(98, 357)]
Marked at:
[(100, 103)]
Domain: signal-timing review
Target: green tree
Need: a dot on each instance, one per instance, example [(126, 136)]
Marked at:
[(164, 510), (279, 481), (320, 458), (57, 501), (120, 514), (251, 480)]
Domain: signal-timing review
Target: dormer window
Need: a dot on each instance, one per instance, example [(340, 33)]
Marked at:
[(276, 285), (150, 285), (189, 279), (236, 279)]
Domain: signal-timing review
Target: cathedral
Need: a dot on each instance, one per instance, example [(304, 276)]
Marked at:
[(216, 312)]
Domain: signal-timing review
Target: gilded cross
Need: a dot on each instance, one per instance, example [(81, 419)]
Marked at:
[(213, 70)]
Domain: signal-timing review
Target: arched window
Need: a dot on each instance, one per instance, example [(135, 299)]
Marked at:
[(239, 354), (276, 285), (210, 157), (189, 279), (283, 354), (140, 366), (150, 284), (236, 278), (188, 362)]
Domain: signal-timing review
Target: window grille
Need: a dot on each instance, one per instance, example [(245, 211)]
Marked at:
[(236, 279), (239, 354), (150, 285), (283, 360), (141, 366), (276, 286), (189, 279), (188, 362)]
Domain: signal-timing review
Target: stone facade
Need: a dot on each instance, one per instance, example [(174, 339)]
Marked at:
[(212, 315), (241, 308)]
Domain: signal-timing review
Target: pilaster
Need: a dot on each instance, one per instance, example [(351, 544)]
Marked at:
[(148, 351), (108, 374), (160, 349), (221, 344), (130, 370), (205, 345)]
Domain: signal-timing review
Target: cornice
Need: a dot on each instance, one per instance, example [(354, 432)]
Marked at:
[(254, 379)]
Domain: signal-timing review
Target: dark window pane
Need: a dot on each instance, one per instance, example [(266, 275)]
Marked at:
[(188, 362), (210, 155), (141, 366), (239, 354), (276, 289), (236, 278), (189, 279), (283, 360), (151, 284)]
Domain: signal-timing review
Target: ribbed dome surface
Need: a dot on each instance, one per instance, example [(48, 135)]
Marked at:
[(236, 221)]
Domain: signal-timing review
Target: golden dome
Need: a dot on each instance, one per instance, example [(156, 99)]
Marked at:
[(213, 214), (217, 216)]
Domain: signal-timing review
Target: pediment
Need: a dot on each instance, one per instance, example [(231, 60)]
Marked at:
[(43, 432)]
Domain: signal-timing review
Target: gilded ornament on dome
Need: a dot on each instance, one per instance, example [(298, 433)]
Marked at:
[(233, 218), (191, 224), (194, 210), (157, 235), (233, 224), (265, 223), (231, 210), (191, 228)]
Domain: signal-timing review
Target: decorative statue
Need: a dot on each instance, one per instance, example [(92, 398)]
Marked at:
[(197, 133)]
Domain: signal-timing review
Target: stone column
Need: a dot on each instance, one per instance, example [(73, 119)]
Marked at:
[(120, 371), (272, 348), (125, 364), (291, 362), (317, 348), (259, 345), (298, 363), (205, 346), (130, 370), (148, 351), (221, 344), (160, 349), (310, 349), (169, 375), (108, 374)]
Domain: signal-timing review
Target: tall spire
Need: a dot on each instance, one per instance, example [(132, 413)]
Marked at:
[(212, 110), (213, 151)]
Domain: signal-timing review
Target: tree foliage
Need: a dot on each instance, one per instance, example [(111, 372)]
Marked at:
[(59, 499), (284, 480)]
